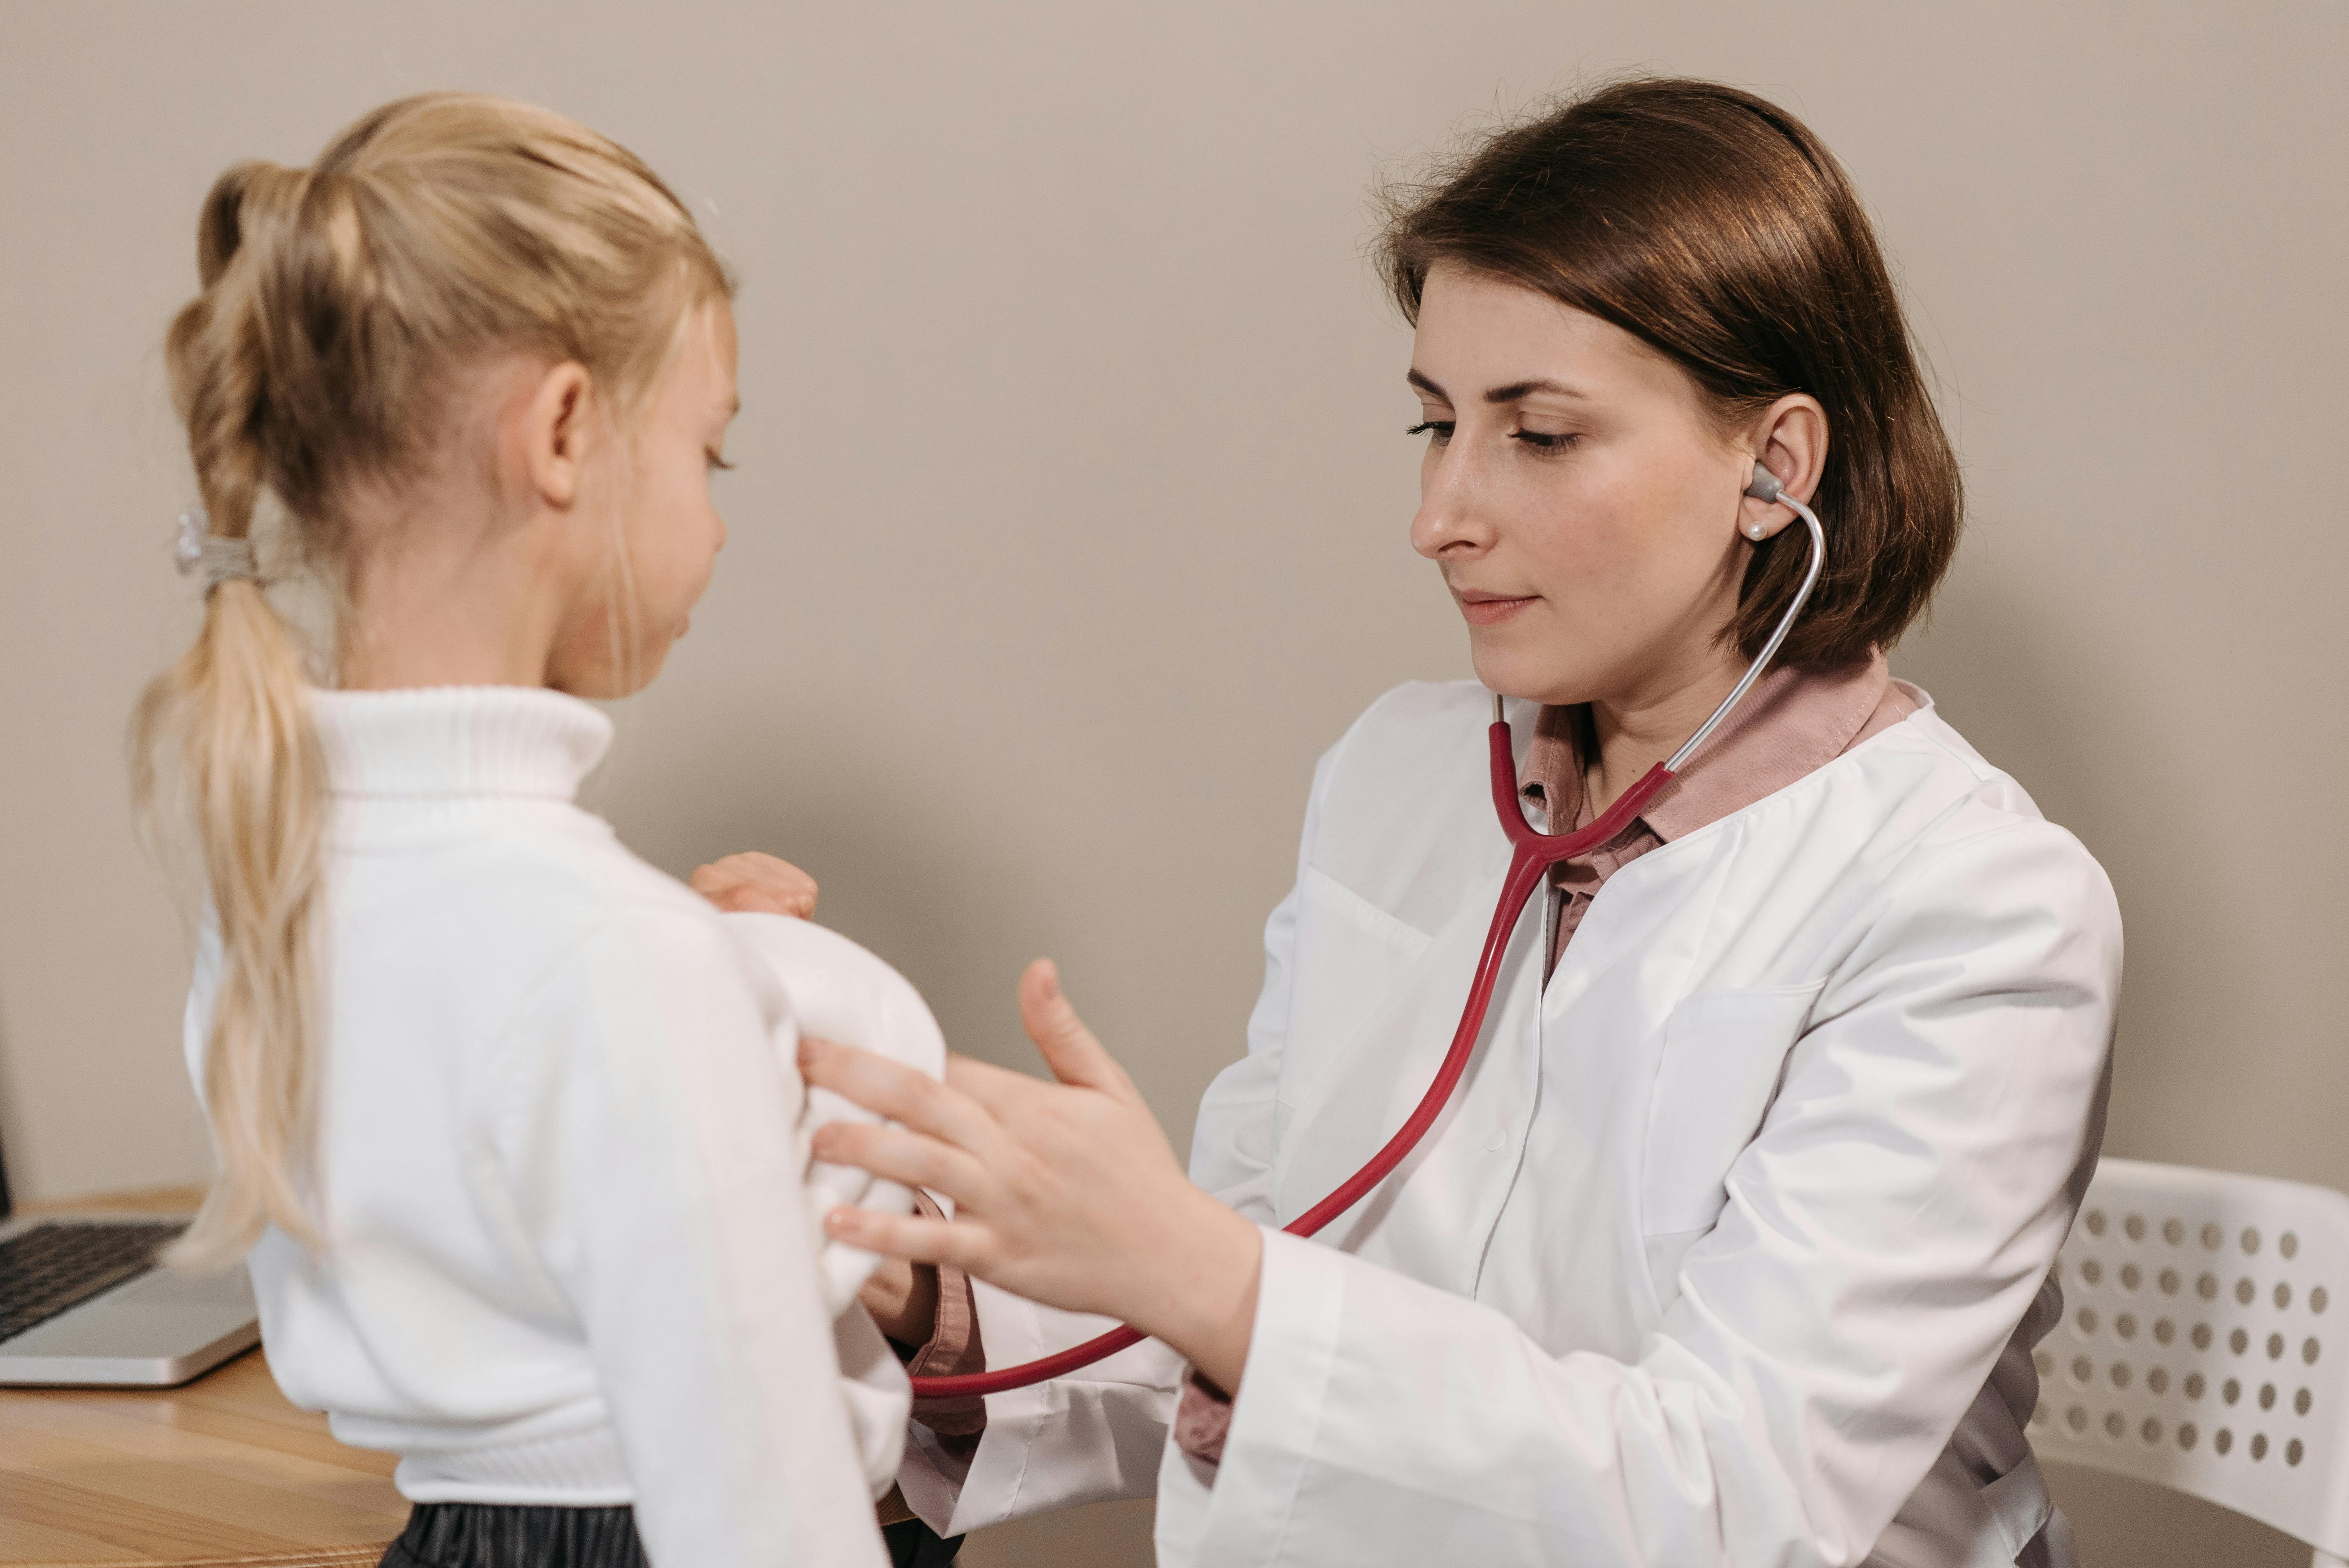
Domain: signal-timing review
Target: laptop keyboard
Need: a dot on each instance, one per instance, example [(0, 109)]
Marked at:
[(51, 1268)]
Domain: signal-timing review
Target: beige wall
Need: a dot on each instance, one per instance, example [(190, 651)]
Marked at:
[(1071, 519)]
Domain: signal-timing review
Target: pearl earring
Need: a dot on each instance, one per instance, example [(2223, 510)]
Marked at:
[(1754, 531)]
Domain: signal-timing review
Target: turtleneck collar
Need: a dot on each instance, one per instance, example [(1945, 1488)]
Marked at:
[(450, 741)]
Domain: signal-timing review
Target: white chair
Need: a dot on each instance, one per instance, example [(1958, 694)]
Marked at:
[(2203, 1346)]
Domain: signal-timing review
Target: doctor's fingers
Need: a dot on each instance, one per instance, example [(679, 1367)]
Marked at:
[(1000, 1092), (1069, 1047), (957, 1243), (910, 1158), (899, 1093)]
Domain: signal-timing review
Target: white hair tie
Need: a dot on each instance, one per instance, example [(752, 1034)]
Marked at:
[(218, 559)]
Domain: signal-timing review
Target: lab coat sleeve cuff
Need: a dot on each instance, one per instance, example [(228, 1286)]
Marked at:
[(1285, 1385), (1087, 1438)]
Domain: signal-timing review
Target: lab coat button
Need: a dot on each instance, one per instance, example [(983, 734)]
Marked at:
[(1497, 1142)]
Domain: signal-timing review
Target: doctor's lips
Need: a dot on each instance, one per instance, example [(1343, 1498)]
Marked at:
[(1483, 609)]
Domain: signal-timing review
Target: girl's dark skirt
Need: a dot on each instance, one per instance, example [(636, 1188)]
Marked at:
[(510, 1535), (505, 1535)]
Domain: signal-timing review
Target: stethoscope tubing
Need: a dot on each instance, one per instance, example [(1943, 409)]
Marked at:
[(1531, 854)]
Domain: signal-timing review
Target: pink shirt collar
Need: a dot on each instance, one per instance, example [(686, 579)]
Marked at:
[(1791, 723)]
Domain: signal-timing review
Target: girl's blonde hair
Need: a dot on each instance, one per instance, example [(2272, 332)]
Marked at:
[(339, 303)]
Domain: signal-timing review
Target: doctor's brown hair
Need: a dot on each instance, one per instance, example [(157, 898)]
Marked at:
[(339, 303), (1713, 226)]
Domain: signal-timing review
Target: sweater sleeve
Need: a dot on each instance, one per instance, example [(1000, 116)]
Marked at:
[(1887, 1230), (646, 1128)]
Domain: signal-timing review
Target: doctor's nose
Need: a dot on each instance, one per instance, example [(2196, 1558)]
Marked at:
[(1449, 521)]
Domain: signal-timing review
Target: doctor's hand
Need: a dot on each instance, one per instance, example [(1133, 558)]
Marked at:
[(1064, 1193), (756, 882)]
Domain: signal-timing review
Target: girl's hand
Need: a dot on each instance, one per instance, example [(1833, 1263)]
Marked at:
[(903, 1298), (756, 882), (1065, 1193)]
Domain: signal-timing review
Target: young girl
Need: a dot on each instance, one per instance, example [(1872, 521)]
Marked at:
[(506, 1119)]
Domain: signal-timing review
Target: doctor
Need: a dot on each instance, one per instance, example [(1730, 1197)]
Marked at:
[(1735, 1242)]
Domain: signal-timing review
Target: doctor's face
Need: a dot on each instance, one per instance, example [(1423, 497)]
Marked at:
[(1577, 496)]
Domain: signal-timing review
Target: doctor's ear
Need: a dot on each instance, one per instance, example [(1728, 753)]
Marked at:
[(1790, 439)]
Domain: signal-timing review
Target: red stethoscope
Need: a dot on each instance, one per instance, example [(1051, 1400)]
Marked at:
[(1531, 855)]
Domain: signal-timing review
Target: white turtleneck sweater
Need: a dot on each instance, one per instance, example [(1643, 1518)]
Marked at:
[(571, 1253)]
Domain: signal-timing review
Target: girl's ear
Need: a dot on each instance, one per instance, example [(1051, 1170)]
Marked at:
[(557, 430), (1791, 441)]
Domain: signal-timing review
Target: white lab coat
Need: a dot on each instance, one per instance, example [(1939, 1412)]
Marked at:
[(1731, 1248)]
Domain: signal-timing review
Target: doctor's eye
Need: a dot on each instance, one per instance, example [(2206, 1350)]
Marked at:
[(1543, 442), (1439, 430)]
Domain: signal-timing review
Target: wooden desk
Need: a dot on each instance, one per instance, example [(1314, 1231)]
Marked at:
[(221, 1473)]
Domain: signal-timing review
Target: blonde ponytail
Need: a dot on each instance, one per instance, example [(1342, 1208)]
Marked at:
[(336, 302), (234, 710)]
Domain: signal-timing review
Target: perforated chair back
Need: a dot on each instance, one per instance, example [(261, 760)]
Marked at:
[(2205, 1344)]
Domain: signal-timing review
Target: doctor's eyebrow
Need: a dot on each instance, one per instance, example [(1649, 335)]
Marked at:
[(1509, 394), (1517, 389)]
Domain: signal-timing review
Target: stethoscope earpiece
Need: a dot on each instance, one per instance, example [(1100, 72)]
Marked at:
[(1766, 487)]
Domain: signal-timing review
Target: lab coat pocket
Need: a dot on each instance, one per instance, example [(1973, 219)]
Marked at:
[(1721, 1057), (1350, 956)]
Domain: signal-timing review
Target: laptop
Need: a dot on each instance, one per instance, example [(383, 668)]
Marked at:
[(83, 1302)]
